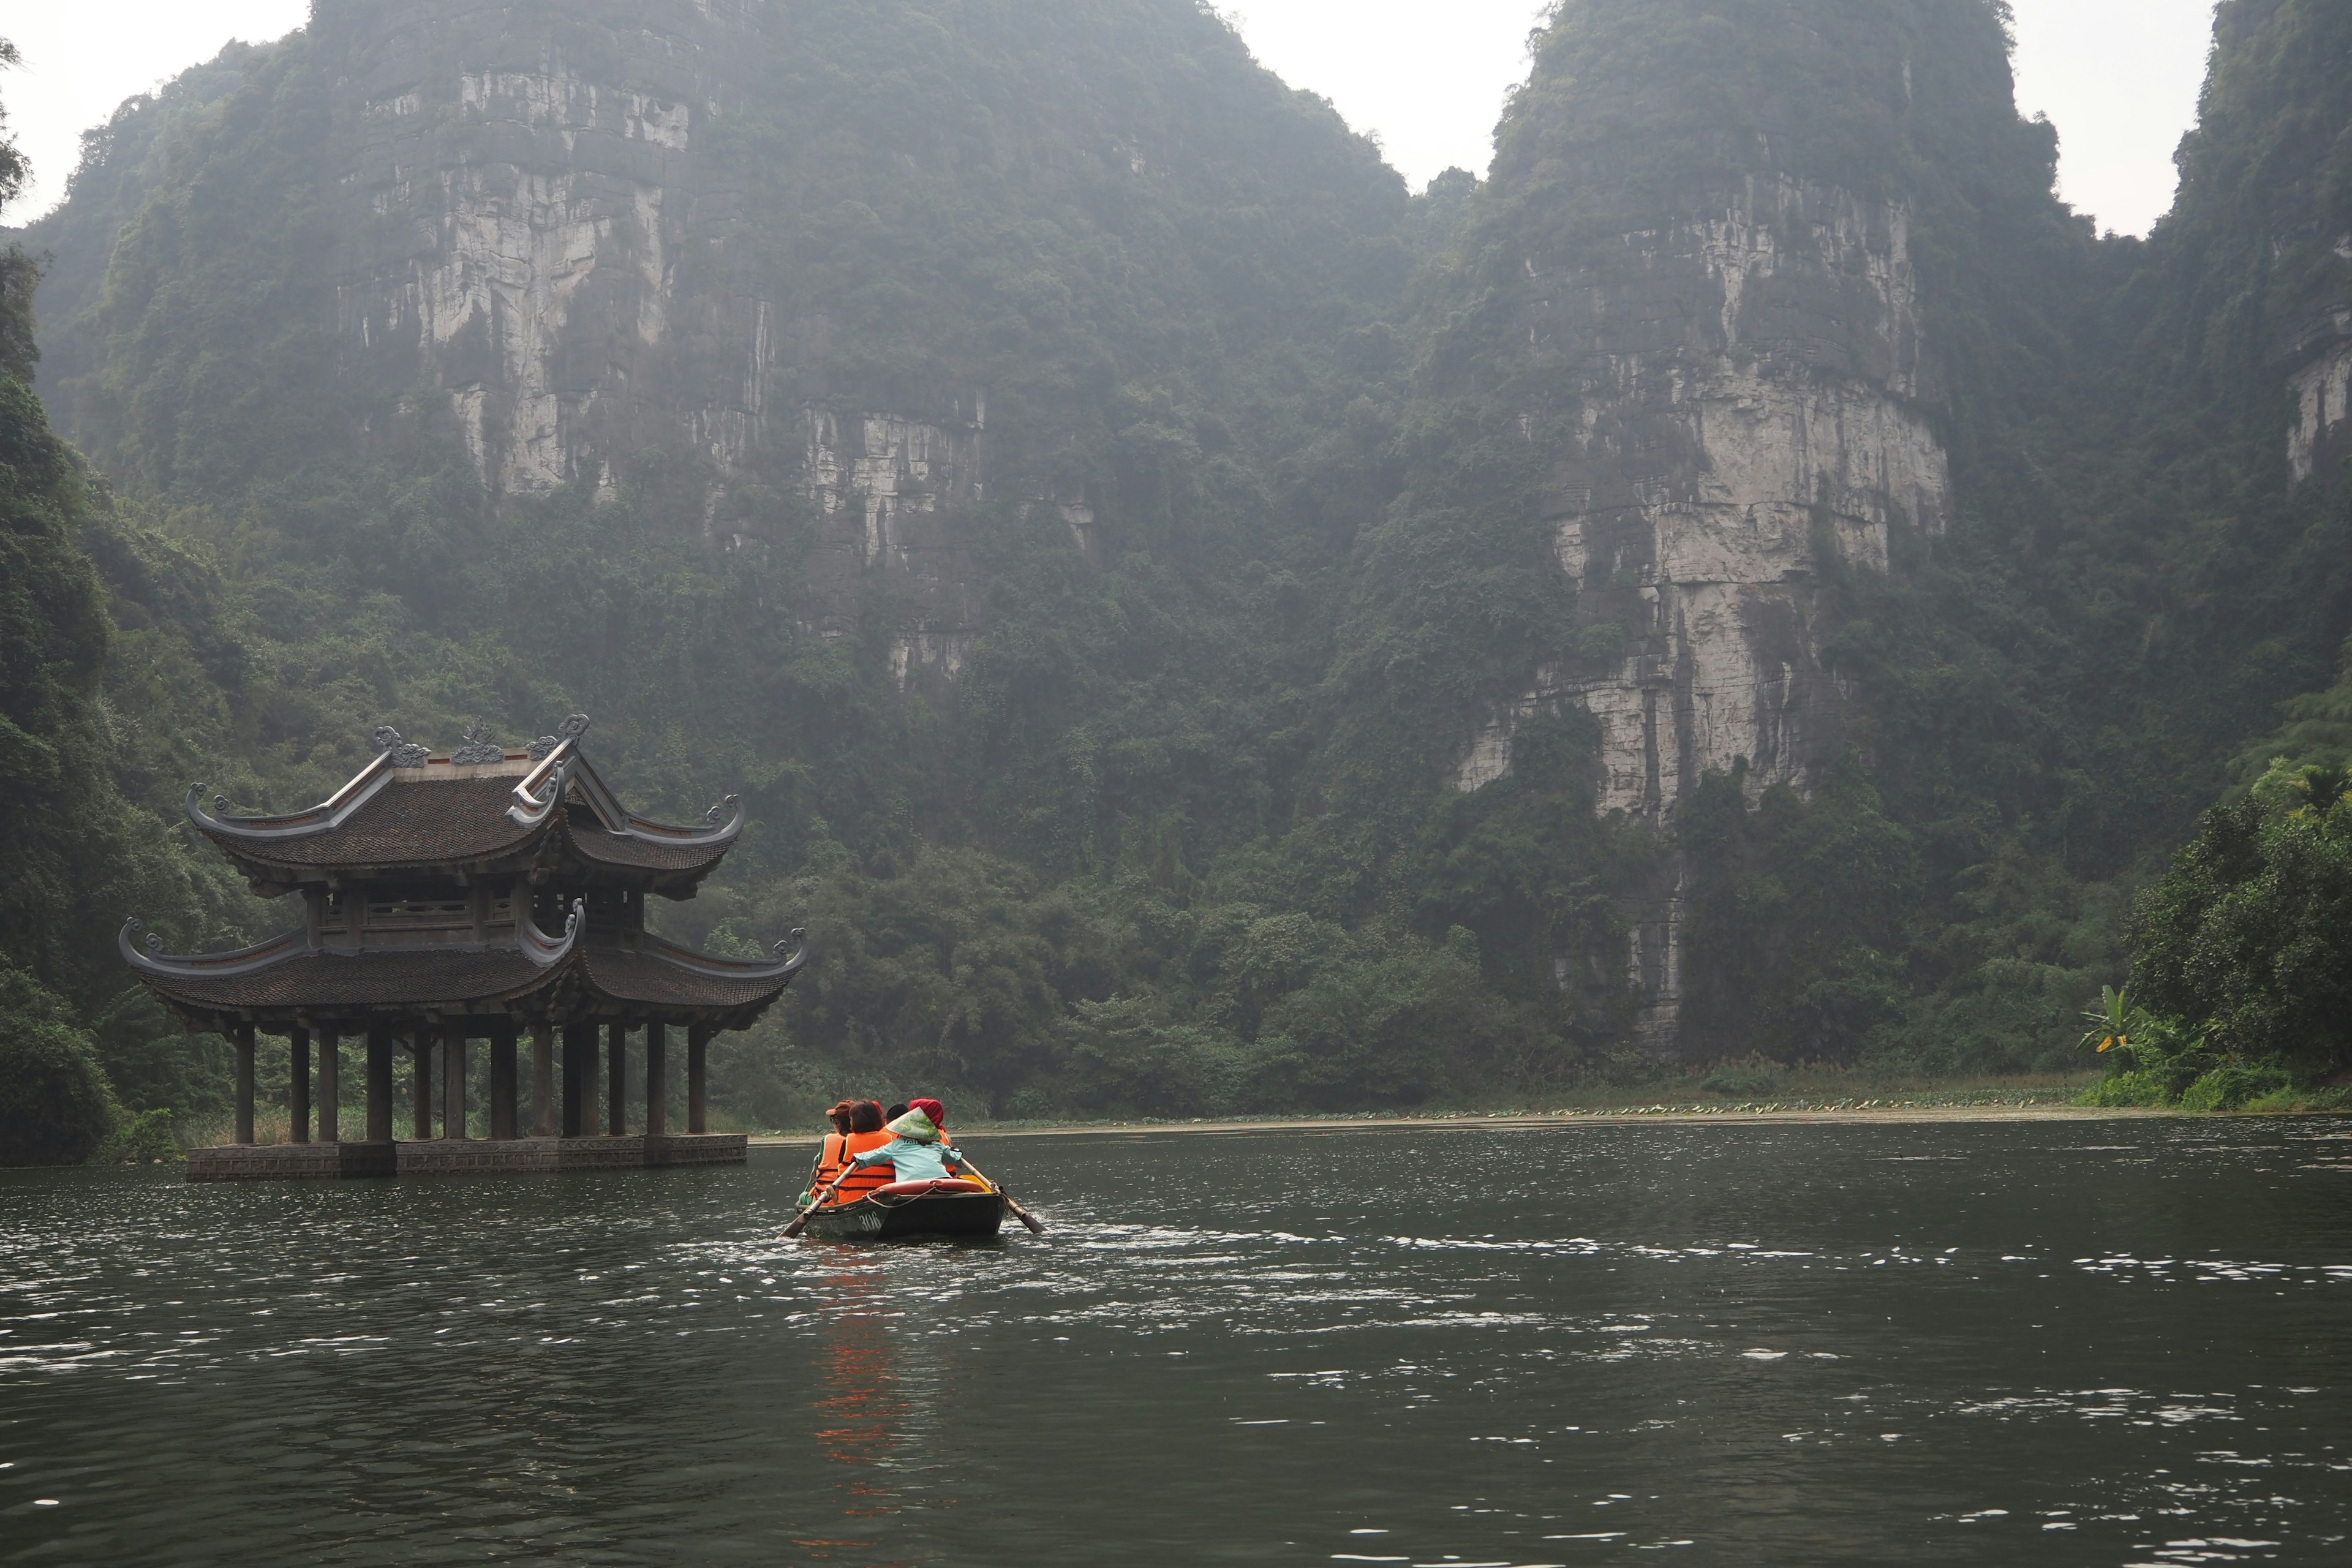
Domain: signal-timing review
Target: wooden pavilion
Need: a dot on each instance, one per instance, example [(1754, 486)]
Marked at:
[(484, 894)]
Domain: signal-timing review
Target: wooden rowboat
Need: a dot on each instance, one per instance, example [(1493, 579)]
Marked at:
[(950, 1208)]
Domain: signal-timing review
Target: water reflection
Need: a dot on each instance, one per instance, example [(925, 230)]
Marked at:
[(859, 1415)]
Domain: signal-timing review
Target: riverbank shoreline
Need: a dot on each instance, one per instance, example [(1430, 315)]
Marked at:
[(1891, 1114)]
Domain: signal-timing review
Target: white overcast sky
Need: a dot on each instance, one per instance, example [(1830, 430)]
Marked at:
[(2119, 77)]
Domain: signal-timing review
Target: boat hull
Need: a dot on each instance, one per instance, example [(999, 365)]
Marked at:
[(879, 1219)]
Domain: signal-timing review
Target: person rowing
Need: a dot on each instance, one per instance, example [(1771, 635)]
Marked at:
[(836, 1179), (917, 1151)]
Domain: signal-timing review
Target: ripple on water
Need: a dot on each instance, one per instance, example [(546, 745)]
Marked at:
[(1753, 1344)]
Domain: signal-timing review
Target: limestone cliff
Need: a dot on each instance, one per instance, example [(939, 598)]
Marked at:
[(2320, 383), (538, 232), (2259, 241), (1749, 387), (1703, 289)]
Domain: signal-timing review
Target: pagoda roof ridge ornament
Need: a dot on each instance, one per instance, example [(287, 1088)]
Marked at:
[(404, 753), (573, 726), (478, 748), (546, 951)]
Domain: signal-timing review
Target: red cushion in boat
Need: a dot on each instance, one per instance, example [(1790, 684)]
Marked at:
[(918, 1189)]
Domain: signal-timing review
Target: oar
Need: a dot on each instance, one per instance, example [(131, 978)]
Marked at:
[(1036, 1226), (816, 1202)]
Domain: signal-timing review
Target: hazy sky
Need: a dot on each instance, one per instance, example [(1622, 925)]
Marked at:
[(2119, 77)]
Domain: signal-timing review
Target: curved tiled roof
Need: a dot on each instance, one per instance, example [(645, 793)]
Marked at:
[(658, 973), (431, 812), (405, 824), (330, 981), (641, 853), (287, 976)]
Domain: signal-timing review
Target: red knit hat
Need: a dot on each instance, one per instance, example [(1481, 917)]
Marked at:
[(932, 1108)]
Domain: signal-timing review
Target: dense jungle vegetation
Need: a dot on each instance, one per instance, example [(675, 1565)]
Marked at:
[(1180, 841)]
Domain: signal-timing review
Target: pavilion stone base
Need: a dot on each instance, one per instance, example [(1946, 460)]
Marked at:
[(463, 1157), (290, 1162), (699, 1148)]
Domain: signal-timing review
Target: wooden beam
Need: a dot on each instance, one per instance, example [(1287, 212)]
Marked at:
[(542, 1076), (616, 1079), (420, 1046), (297, 1085), (698, 1046), (378, 1083), (331, 1097), (502, 1080), (241, 1037)]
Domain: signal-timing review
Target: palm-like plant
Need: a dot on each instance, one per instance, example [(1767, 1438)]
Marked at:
[(2111, 1021)]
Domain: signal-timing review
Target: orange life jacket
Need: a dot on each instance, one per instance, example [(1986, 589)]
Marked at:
[(829, 1156), (862, 1181)]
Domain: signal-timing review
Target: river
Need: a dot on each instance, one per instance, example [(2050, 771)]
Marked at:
[(1983, 1342)]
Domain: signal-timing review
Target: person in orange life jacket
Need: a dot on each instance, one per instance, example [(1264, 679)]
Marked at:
[(830, 1153), (918, 1149), (865, 1133)]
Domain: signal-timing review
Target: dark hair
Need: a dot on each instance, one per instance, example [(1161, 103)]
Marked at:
[(843, 1115), (866, 1116), (895, 1112)]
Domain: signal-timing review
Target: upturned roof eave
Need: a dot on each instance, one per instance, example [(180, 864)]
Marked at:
[(564, 981), (179, 980)]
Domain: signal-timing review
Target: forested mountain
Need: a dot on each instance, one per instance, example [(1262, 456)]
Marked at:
[(1197, 627)]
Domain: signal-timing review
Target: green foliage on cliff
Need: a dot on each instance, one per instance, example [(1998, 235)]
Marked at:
[(55, 1106), (75, 856), (2242, 937), (2241, 945)]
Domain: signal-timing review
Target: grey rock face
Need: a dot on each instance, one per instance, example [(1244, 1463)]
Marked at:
[(2320, 387), (1751, 393), (536, 234), (539, 234), (888, 489)]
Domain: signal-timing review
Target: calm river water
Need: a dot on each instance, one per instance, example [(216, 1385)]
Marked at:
[(2063, 1342)]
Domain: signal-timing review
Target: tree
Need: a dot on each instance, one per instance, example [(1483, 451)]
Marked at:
[(2248, 937), (55, 1107)]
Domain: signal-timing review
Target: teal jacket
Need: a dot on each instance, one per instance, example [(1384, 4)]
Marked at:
[(919, 1153)]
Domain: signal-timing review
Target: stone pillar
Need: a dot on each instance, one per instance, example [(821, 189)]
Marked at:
[(579, 1062), (542, 1077), (656, 1079), (297, 1085), (502, 1080), (453, 1080), (330, 1087), (241, 1035), (616, 1079), (378, 1083), (420, 1046), (698, 1046)]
